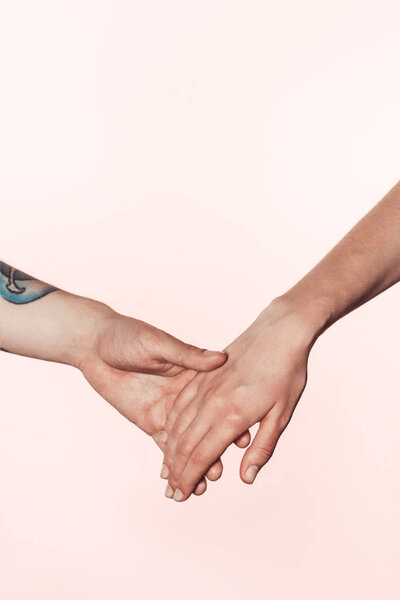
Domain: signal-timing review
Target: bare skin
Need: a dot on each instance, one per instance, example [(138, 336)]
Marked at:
[(136, 367), (266, 371)]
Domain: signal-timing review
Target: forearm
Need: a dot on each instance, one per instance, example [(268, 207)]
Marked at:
[(362, 265), (40, 321), (266, 371)]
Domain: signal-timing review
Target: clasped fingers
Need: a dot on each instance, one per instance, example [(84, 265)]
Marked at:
[(197, 441)]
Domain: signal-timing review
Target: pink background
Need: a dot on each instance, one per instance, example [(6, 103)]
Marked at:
[(186, 162)]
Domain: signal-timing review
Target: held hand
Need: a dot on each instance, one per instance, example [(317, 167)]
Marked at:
[(140, 370), (261, 382)]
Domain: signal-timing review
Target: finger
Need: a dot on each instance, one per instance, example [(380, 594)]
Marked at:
[(181, 402), (244, 440), (181, 424), (201, 488), (215, 471), (180, 451), (160, 438), (262, 447), (185, 355), (203, 455), (198, 491)]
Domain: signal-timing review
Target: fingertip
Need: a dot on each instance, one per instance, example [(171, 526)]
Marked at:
[(215, 353), (180, 354), (180, 496), (201, 488), (215, 471), (244, 440), (213, 359), (164, 473), (248, 461), (249, 473), (160, 438)]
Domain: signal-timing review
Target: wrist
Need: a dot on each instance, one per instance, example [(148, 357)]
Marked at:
[(59, 327), (307, 320), (66, 332), (89, 319)]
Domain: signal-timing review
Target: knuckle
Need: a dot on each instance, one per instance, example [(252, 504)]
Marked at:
[(149, 338), (214, 397), (183, 447), (264, 450), (199, 459), (183, 352), (211, 400), (177, 428), (234, 416), (188, 349)]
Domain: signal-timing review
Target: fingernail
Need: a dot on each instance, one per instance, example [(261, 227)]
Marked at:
[(212, 352), (251, 474), (178, 495), (164, 437), (169, 492), (164, 472)]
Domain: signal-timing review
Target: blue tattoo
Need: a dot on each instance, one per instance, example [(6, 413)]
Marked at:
[(20, 288)]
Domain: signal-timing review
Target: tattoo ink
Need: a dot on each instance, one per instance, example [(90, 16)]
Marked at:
[(19, 288)]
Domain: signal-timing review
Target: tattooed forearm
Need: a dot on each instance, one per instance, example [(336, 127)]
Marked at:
[(20, 288)]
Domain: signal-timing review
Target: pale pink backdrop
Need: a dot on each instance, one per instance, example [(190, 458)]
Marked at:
[(186, 162)]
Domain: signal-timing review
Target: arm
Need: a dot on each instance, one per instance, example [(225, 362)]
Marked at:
[(40, 321), (266, 371), (137, 368)]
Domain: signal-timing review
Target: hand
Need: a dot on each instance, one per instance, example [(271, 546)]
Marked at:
[(262, 381), (140, 370)]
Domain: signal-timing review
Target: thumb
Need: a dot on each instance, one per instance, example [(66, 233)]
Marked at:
[(191, 357), (261, 449)]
